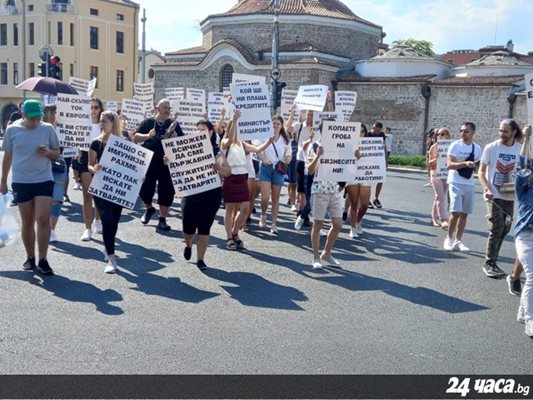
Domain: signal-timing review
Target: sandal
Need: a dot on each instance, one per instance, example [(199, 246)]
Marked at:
[(230, 244), (238, 242)]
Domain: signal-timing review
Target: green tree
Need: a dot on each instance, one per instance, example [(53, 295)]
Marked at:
[(422, 46)]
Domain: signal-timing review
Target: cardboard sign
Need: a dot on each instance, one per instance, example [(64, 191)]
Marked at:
[(74, 126), (442, 158), (254, 103), (311, 97), (124, 165), (287, 100), (345, 102), (189, 113), (371, 167), (191, 164), (529, 98), (133, 110), (215, 104), (339, 141)]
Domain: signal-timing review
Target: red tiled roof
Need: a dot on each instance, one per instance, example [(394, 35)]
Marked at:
[(478, 81), (320, 8)]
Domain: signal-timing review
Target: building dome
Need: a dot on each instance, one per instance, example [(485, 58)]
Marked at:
[(499, 63)]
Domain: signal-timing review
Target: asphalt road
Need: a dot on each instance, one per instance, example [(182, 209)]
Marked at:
[(399, 305)]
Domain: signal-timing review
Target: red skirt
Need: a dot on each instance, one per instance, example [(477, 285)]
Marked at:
[(235, 188)]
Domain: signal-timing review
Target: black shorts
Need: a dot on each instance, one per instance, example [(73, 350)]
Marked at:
[(23, 192), (199, 211), (300, 170)]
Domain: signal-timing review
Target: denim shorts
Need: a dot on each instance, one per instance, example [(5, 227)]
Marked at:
[(267, 173)]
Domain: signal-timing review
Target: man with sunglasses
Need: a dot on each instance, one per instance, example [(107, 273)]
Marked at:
[(463, 156)]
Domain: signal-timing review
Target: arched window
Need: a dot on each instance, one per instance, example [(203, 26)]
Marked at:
[(226, 74)]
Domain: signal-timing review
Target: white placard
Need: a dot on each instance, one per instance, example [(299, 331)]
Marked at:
[(287, 100), (339, 141), (442, 158), (188, 115), (529, 98), (133, 110), (70, 152), (254, 103), (91, 86), (319, 116), (371, 167), (345, 102), (49, 100), (215, 104), (74, 125), (196, 96), (191, 164), (111, 105), (81, 85), (238, 79), (311, 97), (228, 104), (175, 93), (124, 165), (144, 92)]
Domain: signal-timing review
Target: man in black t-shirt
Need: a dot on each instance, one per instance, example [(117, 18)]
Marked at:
[(150, 134), (377, 131)]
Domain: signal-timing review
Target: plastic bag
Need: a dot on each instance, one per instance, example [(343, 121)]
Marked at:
[(9, 229)]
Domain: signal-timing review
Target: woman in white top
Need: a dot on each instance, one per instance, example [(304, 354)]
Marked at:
[(270, 177), (235, 187)]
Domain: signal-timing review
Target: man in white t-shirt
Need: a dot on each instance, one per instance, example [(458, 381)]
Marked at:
[(463, 155), (498, 163)]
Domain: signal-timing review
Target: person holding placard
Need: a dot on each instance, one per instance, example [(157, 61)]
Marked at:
[(463, 157), (29, 146), (439, 215), (326, 198), (199, 210), (89, 213), (150, 133), (377, 132), (235, 186), (498, 165), (110, 212), (273, 169)]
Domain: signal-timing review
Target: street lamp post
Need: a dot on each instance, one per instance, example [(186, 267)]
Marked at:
[(143, 49), (275, 44), (24, 43)]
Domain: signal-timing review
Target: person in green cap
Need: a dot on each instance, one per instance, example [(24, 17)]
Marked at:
[(29, 146)]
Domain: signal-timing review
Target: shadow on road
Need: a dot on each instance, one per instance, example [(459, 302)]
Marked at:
[(71, 290)]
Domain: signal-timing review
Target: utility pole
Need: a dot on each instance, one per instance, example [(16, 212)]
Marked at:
[(275, 74), (143, 49), (24, 44)]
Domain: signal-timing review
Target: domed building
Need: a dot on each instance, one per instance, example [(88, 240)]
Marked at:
[(318, 39)]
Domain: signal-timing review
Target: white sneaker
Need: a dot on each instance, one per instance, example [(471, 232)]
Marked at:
[(460, 246), (529, 328), (324, 232), (111, 266), (53, 236), (299, 223), (294, 208), (353, 233), (359, 228), (520, 316), (87, 235), (316, 264), (97, 226), (448, 244), (329, 261), (262, 221)]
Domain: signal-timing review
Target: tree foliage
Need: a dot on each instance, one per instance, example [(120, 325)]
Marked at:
[(422, 46)]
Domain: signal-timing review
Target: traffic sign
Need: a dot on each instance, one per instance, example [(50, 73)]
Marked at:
[(45, 51), (275, 73)]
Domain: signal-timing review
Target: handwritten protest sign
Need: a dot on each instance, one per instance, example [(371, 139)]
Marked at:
[(133, 110), (442, 158), (339, 141), (287, 99), (196, 96), (174, 95), (254, 103), (124, 165), (345, 102), (81, 85), (144, 92), (74, 126), (371, 166), (215, 104), (311, 97), (529, 98), (190, 164), (189, 113)]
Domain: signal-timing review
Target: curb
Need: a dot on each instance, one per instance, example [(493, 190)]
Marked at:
[(412, 170)]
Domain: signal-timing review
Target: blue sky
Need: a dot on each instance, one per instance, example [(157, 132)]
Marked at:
[(449, 25)]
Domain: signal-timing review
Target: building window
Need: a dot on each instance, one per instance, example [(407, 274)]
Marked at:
[(226, 75), (120, 80), (15, 35), (59, 32), (30, 7), (94, 11), (3, 34), (72, 34), (93, 73), (120, 17), (94, 37), (120, 42), (71, 70), (31, 33), (3, 73), (32, 69), (15, 73)]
